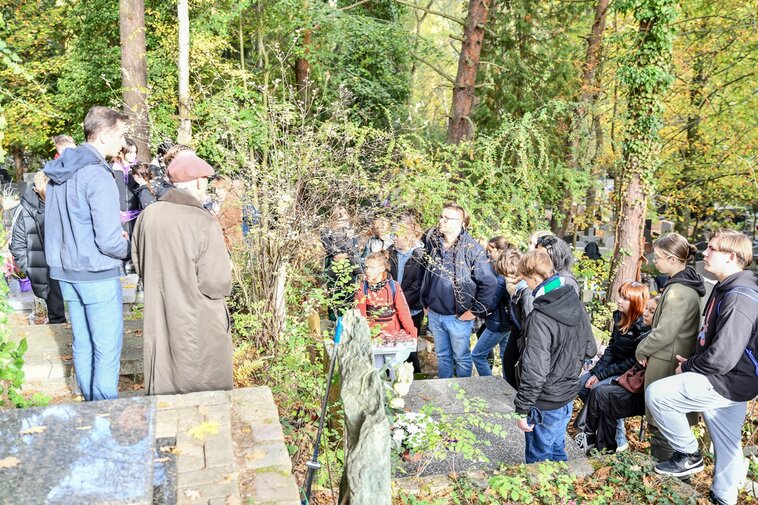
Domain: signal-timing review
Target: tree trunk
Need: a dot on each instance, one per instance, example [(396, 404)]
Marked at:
[(134, 72), (587, 97), (18, 164), (184, 135), (303, 69), (646, 76), (693, 151), (461, 126)]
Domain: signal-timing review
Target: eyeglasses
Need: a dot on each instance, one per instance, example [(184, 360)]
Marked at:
[(445, 219)]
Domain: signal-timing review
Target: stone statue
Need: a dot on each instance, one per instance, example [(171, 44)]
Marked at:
[(366, 479)]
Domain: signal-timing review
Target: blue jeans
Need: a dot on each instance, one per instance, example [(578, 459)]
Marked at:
[(584, 393), (97, 322), (487, 341), (548, 439), (452, 343)]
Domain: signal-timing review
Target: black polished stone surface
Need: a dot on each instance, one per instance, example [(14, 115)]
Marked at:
[(164, 476), (81, 453)]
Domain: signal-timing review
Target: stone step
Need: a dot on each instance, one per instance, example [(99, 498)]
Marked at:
[(48, 359)]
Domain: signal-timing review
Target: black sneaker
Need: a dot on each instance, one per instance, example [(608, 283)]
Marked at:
[(681, 464), (715, 499)]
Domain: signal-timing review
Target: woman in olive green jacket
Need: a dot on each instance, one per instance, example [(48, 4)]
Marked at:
[(675, 324)]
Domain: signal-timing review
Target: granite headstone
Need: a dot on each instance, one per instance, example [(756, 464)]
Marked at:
[(83, 453)]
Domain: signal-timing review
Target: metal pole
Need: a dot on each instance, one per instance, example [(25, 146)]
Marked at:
[(313, 464)]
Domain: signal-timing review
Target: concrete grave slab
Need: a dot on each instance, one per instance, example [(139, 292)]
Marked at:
[(476, 404)]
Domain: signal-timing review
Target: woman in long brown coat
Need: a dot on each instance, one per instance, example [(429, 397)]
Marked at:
[(178, 250), (675, 324)]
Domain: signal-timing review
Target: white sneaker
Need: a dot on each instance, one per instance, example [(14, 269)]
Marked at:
[(622, 448)]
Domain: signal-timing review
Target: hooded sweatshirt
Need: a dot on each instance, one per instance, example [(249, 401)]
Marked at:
[(727, 345), (83, 240), (557, 340), (688, 277)]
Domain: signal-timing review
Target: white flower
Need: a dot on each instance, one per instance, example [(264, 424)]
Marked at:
[(397, 403)]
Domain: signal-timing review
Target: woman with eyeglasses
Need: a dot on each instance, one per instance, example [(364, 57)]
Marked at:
[(609, 404), (675, 325), (628, 329), (560, 253)]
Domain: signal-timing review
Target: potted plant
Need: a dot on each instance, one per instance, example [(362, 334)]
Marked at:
[(17, 280)]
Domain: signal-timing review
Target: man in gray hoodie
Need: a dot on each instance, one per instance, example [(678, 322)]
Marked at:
[(84, 247)]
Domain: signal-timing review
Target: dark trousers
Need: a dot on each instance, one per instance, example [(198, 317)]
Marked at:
[(607, 404), (56, 312), (511, 357), (413, 358)]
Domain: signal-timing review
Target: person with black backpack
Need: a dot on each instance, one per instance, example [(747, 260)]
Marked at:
[(720, 378), (497, 326)]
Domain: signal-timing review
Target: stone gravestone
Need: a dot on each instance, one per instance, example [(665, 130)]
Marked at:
[(85, 453), (366, 479), (477, 403)]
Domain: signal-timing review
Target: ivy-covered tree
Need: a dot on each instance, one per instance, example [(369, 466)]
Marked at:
[(646, 75)]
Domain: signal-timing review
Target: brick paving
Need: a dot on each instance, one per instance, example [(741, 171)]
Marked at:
[(248, 446)]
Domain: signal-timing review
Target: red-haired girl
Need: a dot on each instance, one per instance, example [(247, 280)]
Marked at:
[(628, 329)]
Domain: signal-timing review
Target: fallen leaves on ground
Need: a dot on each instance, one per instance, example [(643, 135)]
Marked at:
[(137, 387), (192, 494), (67, 357), (203, 430), (9, 462), (32, 430), (602, 473)]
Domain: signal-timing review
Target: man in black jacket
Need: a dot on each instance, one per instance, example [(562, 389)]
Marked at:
[(720, 378), (557, 340), (459, 284)]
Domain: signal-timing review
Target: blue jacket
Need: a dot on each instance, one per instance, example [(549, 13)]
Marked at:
[(499, 319), (471, 284), (83, 240)]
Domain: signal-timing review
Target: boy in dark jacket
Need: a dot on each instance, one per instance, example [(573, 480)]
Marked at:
[(557, 340), (28, 248), (720, 378)]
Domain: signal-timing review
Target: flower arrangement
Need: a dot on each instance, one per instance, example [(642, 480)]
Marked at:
[(411, 431), (10, 269)]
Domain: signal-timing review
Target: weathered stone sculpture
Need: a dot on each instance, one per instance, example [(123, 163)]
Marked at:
[(366, 479)]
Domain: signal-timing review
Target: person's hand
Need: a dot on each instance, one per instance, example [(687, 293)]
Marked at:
[(467, 316), (591, 382), (642, 362), (523, 425), (680, 360)]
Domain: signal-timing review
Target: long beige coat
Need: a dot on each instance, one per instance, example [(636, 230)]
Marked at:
[(675, 327), (178, 250)]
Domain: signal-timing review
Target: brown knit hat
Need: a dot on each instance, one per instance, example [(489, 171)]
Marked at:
[(187, 166)]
